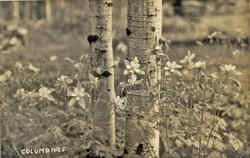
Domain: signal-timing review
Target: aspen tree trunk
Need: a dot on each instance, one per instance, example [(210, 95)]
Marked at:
[(33, 10), (144, 27), (103, 61), (120, 12), (27, 10), (124, 13), (16, 11), (2, 15), (62, 4), (48, 10)]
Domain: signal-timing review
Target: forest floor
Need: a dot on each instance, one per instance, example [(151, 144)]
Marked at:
[(45, 42)]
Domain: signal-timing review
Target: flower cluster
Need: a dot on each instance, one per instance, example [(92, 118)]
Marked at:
[(132, 70), (42, 93), (188, 61), (5, 76), (78, 95), (186, 64), (120, 102), (65, 80), (228, 68), (172, 67)]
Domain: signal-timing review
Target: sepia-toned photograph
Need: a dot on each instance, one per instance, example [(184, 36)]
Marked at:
[(124, 78)]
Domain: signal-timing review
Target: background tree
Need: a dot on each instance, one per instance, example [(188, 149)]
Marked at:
[(62, 4), (103, 66), (2, 12), (26, 10), (144, 31), (48, 10), (16, 10)]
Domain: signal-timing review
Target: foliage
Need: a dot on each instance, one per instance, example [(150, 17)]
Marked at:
[(202, 113), (198, 108)]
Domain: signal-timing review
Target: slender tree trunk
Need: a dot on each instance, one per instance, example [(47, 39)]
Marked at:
[(62, 4), (124, 10), (102, 22), (144, 30), (48, 10), (16, 11), (27, 10), (120, 12), (2, 15), (33, 10)]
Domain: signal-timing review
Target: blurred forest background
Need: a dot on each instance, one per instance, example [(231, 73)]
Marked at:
[(44, 39)]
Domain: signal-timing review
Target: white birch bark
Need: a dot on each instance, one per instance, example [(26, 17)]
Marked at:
[(48, 10), (16, 11), (27, 10), (144, 27), (102, 14), (62, 4)]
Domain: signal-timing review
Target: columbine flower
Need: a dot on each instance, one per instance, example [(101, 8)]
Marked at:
[(133, 67), (26, 94), (120, 102), (78, 95), (65, 79), (188, 59), (14, 41), (214, 75), (20, 93), (45, 92), (78, 66), (22, 31), (199, 43), (33, 68), (77, 92), (5, 76), (19, 66), (69, 60), (236, 53), (227, 68), (172, 67), (230, 69), (199, 64), (53, 58)]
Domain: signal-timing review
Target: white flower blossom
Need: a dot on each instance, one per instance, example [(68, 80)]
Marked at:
[(77, 92), (230, 69), (78, 66), (33, 68), (53, 58), (19, 66), (120, 102), (172, 67), (45, 92), (133, 67), (5, 76), (188, 59), (199, 64), (69, 60), (78, 95), (20, 93), (65, 79)]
